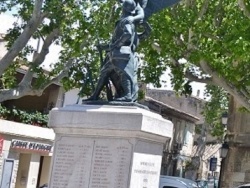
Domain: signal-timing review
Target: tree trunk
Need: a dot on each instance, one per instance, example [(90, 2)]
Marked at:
[(237, 163)]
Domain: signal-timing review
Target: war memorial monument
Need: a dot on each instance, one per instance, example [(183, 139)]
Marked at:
[(117, 143)]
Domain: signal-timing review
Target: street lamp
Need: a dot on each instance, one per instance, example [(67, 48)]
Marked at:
[(224, 147), (224, 118), (223, 153), (223, 150)]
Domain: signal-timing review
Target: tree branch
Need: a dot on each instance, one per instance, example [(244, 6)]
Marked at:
[(26, 88), (203, 10), (174, 62), (37, 9), (18, 92), (23, 39), (39, 57), (190, 75), (218, 16), (60, 76), (220, 81), (194, 78), (244, 8)]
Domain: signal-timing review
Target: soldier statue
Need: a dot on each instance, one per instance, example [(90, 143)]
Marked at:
[(121, 61)]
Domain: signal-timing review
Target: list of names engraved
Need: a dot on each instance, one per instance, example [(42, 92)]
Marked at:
[(123, 165), (71, 162), (91, 163), (111, 163)]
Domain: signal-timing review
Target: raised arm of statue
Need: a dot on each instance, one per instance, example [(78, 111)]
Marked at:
[(143, 3), (138, 14)]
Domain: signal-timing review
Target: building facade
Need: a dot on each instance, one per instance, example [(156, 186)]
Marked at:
[(25, 149), (179, 111), (25, 157)]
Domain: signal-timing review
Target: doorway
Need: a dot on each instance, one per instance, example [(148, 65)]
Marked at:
[(7, 173)]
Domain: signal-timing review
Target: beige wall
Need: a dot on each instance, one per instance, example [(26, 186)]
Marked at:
[(23, 170), (184, 134), (188, 138), (45, 170), (71, 97), (191, 105), (28, 169), (33, 170)]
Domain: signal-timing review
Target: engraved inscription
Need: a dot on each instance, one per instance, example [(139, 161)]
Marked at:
[(91, 163), (145, 171), (122, 169), (72, 161), (111, 164)]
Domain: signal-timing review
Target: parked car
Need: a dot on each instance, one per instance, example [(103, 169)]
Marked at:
[(244, 186), (44, 186), (176, 182), (202, 183), (212, 183)]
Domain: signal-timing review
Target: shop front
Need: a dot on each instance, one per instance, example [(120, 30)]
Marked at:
[(26, 153)]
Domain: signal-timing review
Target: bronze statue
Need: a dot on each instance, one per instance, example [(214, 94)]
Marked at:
[(121, 62)]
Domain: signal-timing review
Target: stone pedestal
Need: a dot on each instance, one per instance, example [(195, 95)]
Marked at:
[(107, 147)]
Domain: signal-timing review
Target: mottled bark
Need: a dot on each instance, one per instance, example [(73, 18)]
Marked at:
[(25, 88), (236, 170), (25, 36), (241, 97)]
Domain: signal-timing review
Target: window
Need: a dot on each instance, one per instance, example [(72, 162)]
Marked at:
[(187, 134)]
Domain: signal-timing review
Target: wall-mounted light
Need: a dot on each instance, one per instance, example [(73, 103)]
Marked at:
[(224, 150), (224, 118)]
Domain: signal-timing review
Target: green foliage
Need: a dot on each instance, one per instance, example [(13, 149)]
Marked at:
[(220, 36), (81, 24), (214, 108), (189, 165), (4, 112), (141, 95), (198, 129), (218, 33), (8, 79), (22, 116)]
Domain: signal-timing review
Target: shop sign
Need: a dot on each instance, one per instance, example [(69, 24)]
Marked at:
[(213, 164), (34, 146), (1, 144)]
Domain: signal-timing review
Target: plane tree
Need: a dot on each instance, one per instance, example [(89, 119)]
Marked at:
[(207, 41), (72, 25), (199, 40), (211, 36)]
